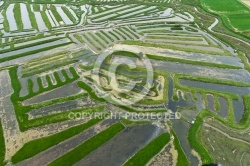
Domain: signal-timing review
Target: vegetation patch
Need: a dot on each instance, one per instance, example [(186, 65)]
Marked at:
[(34, 147), (90, 145), (145, 154)]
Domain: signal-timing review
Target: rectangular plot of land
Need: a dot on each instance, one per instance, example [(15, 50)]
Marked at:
[(117, 150)]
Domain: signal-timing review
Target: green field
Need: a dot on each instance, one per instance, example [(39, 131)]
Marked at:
[(225, 6), (240, 21), (234, 13)]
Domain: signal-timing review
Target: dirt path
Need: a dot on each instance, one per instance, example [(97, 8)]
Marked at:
[(215, 23), (225, 134), (8, 117)]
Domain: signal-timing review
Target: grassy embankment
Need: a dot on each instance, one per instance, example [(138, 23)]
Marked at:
[(2, 145), (34, 147), (21, 110), (195, 128), (147, 44), (149, 151)]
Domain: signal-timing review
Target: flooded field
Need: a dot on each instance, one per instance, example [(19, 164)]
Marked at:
[(115, 153), (63, 59), (64, 91)]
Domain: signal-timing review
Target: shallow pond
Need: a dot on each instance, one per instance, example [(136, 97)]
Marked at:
[(223, 107), (64, 17), (12, 53), (40, 22), (181, 129), (64, 91), (11, 18), (25, 16), (238, 106), (216, 87)]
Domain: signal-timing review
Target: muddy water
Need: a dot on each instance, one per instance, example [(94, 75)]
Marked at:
[(216, 87), (35, 87), (238, 106), (116, 151), (174, 105), (61, 107), (64, 91), (210, 102), (181, 129), (223, 107)]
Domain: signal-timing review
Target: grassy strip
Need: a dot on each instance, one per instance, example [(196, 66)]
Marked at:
[(58, 100), (182, 158), (31, 45), (30, 38), (56, 14), (79, 38), (46, 20), (90, 91), (91, 42), (140, 43), (129, 109), (126, 53), (149, 151), (114, 35), (68, 13), (102, 32), (48, 67), (194, 129), (244, 59), (157, 25), (34, 147), (108, 13), (175, 38), (44, 60), (36, 7), (200, 90), (131, 31), (32, 17), (31, 52), (212, 80), (195, 144), (17, 15), (5, 21), (56, 118), (102, 37), (90, 145), (50, 85), (120, 34), (2, 145), (97, 40), (126, 33), (200, 63), (21, 111)]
